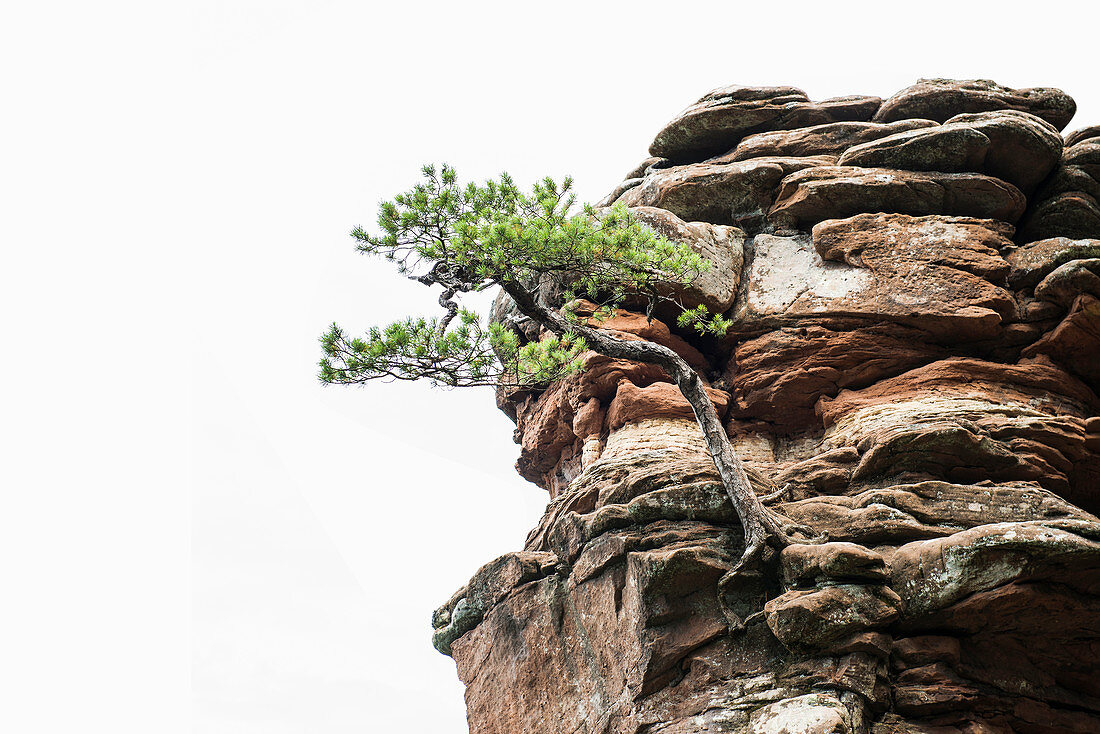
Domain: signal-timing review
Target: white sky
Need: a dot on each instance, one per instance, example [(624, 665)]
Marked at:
[(178, 184)]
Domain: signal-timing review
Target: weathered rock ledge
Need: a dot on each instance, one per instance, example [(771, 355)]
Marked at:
[(913, 370)]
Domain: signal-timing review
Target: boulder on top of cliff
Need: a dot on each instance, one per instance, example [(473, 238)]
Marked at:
[(942, 99), (643, 168), (1013, 146), (730, 193), (622, 188), (1085, 133), (851, 107), (833, 192), (1024, 148), (720, 118), (723, 116), (829, 139)]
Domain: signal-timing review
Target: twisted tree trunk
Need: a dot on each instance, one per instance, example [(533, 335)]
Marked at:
[(762, 526)]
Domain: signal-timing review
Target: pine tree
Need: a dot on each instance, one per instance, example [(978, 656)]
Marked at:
[(468, 239)]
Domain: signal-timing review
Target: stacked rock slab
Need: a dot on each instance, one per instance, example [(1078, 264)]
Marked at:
[(913, 370)]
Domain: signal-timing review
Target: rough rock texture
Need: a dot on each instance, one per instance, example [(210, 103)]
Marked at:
[(832, 192), (723, 116), (1085, 133), (721, 246), (829, 139), (940, 99), (1013, 146), (738, 193), (908, 373)]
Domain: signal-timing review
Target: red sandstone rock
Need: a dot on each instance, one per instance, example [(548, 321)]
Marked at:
[(965, 421), (820, 618), (1065, 205), (1036, 260), (659, 400), (642, 168), (1034, 385), (886, 389), (829, 139), (550, 453), (834, 561), (723, 116), (780, 376), (1067, 281), (1023, 150), (941, 99), (1085, 154), (1075, 342), (1085, 133), (832, 192), (996, 555), (948, 148), (722, 247), (930, 273), (905, 512), (968, 245), (1073, 214), (1067, 179), (1014, 146), (728, 193)]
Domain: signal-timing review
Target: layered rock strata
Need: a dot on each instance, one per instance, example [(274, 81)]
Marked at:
[(913, 371)]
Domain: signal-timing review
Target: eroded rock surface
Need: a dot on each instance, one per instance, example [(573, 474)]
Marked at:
[(723, 116), (941, 99), (912, 372), (1014, 146)]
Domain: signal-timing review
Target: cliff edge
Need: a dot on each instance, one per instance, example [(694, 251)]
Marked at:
[(913, 370)]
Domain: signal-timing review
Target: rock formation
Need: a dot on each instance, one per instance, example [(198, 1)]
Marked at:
[(913, 369)]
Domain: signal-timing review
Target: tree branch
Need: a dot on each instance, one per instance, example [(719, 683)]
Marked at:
[(446, 300)]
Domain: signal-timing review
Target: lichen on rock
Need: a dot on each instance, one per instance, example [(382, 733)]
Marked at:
[(912, 371)]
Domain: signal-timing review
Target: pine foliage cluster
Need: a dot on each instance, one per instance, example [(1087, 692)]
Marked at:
[(466, 239)]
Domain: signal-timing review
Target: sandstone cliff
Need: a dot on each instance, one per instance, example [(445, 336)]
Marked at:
[(913, 370)]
